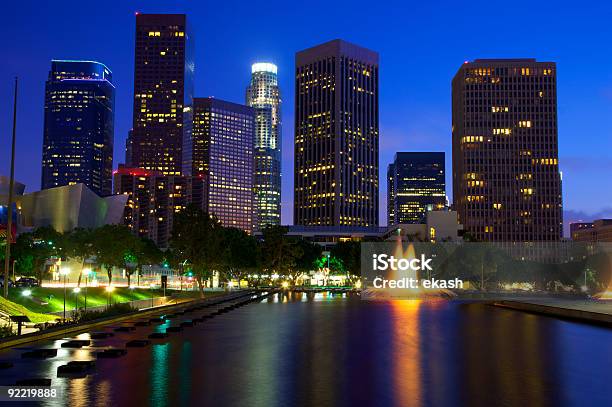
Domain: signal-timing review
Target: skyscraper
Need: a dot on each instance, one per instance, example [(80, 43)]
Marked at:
[(506, 180), (415, 184), (220, 149), (263, 96), (78, 126), (336, 136), (163, 91)]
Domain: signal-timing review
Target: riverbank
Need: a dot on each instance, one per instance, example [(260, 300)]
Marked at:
[(586, 311), (64, 330)]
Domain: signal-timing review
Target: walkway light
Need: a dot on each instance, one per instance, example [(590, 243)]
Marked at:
[(76, 290), (26, 293)]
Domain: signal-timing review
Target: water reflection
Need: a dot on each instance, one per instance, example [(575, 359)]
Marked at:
[(305, 349), (160, 371)]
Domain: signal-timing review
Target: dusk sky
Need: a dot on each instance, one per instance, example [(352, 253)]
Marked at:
[(421, 47)]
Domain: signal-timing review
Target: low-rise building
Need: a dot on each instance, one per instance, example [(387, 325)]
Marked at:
[(598, 231), (68, 207), (440, 226)]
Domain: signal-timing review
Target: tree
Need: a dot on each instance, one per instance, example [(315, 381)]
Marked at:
[(110, 245), (138, 253), (197, 238), (349, 253), (240, 253), (79, 245), (308, 253), (287, 256)]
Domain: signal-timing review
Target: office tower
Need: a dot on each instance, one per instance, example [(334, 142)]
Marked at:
[(506, 180), (78, 126), (163, 90), (154, 199), (220, 149), (263, 96), (336, 136), (415, 185)]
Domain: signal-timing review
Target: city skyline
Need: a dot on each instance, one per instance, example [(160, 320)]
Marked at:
[(580, 174)]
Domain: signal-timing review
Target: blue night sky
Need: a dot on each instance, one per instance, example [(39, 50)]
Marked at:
[(421, 47)]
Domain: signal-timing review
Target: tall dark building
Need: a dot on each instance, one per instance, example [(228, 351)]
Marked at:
[(506, 180), (415, 185), (336, 136), (220, 148), (163, 91), (79, 126)]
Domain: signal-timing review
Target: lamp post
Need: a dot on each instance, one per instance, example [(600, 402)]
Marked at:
[(87, 272), (109, 290), (76, 291), (64, 272), (9, 221)]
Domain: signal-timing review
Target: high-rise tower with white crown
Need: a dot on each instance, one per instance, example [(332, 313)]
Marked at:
[(264, 96)]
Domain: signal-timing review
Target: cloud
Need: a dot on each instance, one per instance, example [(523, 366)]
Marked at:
[(574, 164)]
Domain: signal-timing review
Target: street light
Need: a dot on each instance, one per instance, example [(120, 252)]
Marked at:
[(87, 272), (64, 272), (109, 290), (76, 291)]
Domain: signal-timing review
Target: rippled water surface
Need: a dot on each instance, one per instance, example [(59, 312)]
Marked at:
[(337, 350)]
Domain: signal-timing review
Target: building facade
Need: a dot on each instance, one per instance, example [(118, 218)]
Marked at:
[(415, 185), (506, 179), (154, 199), (263, 95), (68, 207), (163, 91), (220, 148), (78, 126), (336, 136), (598, 231)]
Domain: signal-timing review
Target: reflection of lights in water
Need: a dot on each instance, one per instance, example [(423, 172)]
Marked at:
[(159, 374), (406, 351)]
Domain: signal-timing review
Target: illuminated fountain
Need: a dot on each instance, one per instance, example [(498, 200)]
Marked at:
[(416, 291)]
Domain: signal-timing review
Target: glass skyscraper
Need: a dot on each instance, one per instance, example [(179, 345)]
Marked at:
[(78, 126), (220, 149), (263, 96), (163, 91), (415, 184)]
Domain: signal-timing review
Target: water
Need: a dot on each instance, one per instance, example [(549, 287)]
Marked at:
[(334, 350)]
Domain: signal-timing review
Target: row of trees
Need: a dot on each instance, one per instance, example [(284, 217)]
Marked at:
[(110, 246), (199, 246), (203, 245)]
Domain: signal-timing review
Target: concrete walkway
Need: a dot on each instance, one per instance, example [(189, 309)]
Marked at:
[(589, 311)]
